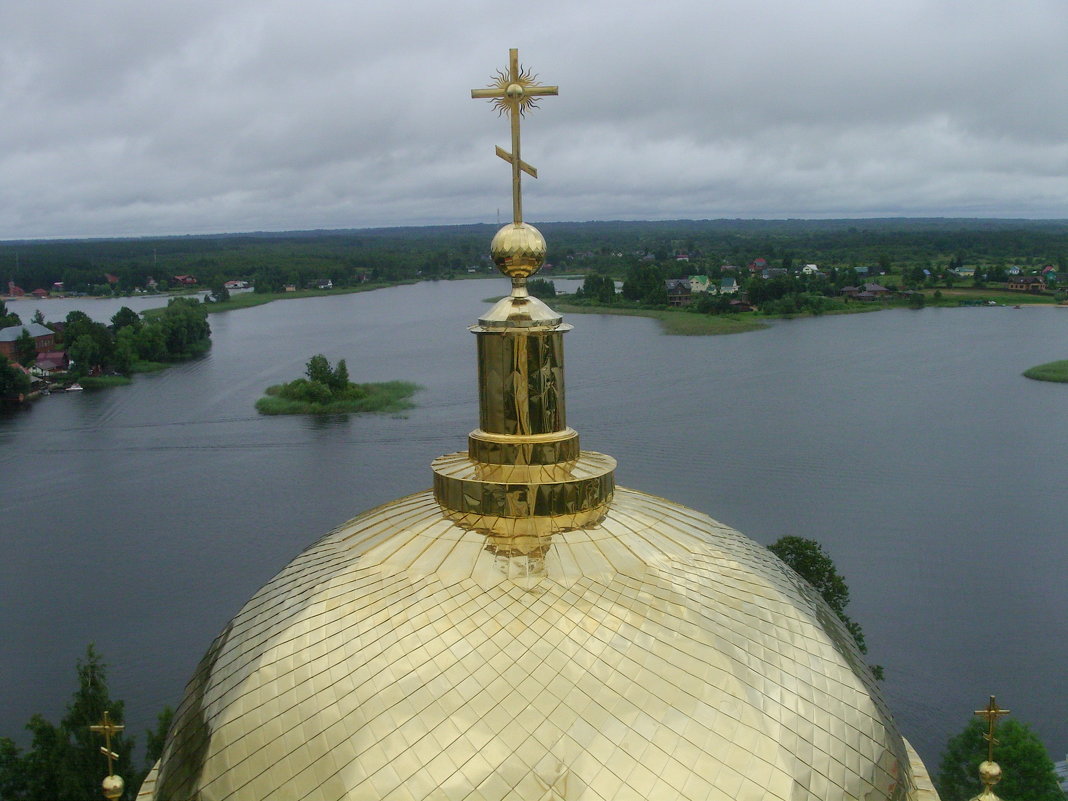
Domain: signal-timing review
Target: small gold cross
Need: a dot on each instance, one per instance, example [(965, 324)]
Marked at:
[(108, 729), (515, 91), (991, 713)]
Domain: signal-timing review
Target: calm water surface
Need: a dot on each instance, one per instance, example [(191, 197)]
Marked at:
[(141, 518)]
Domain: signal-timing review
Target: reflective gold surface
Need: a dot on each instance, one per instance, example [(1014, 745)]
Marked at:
[(557, 446), (529, 631), (518, 250), (502, 492), (514, 92), (520, 310), (521, 382), (112, 785), (989, 770), (659, 655)]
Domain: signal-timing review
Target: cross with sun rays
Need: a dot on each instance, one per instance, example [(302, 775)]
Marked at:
[(515, 91)]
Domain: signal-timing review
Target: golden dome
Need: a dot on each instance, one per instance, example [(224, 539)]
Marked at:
[(527, 630), (657, 655)]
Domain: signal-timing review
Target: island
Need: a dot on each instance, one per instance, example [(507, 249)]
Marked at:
[(1050, 371), (328, 390)]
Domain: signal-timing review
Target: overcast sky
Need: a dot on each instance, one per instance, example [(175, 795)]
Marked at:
[(194, 116)]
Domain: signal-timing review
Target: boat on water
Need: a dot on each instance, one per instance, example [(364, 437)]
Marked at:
[(75, 387)]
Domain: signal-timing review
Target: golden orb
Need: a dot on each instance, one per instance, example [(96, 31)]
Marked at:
[(518, 250), (514, 91), (989, 772), (113, 786)]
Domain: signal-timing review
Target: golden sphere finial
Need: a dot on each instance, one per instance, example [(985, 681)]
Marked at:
[(989, 772), (113, 786), (518, 250)]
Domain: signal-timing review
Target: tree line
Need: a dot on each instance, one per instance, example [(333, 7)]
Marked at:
[(63, 761), (391, 254)]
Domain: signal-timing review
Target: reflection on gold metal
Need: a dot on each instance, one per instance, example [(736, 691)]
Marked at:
[(992, 712), (515, 91), (989, 770), (558, 446), (528, 630), (113, 784), (518, 250), (523, 478), (656, 655)]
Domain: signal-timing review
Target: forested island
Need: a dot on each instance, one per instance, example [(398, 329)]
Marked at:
[(327, 390)]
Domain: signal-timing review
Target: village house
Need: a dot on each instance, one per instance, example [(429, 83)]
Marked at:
[(678, 291), (877, 290), (1027, 283), (699, 283), (869, 293), (15, 291), (185, 280), (43, 338), (51, 361), (728, 285)]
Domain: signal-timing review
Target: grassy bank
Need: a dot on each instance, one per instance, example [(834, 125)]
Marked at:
[(246, 300), (679, 323), (386, 397), (1051, 371), (102, 381), (1007, 297), (149, 367)]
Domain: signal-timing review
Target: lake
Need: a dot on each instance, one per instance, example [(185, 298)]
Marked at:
[(906, 442)]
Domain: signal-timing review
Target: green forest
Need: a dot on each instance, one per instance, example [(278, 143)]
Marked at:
[(349, 257)]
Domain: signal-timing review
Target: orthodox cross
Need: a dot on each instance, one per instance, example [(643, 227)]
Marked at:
[(515, 91), (991, 713), (107, 728)]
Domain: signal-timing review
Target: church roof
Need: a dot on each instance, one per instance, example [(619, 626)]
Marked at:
[(528, 630), (656, 655)]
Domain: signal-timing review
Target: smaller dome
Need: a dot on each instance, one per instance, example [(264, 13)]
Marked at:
[(518, 250)]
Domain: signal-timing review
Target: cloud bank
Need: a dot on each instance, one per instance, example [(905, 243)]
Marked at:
[(197, 117)]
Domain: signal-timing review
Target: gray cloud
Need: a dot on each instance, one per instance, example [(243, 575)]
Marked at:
[(153, 118)]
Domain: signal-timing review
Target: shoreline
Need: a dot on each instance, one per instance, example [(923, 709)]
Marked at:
[(680, 322)]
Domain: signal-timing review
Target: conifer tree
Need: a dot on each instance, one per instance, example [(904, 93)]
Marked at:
[(64, 761)]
